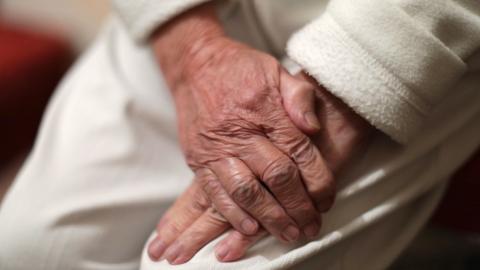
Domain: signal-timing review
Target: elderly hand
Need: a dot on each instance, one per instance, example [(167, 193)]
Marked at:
[(192, 222), (251, 160)]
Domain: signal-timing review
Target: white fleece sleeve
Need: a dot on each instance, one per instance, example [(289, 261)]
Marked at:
[(142, 17), (392, 61)]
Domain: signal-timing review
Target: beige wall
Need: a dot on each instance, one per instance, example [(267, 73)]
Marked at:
[(78, 20)]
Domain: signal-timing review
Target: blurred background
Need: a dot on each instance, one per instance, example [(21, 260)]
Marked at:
[(76, 21), (40, 39)]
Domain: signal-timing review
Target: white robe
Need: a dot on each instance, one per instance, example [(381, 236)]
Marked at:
[(106, 165)]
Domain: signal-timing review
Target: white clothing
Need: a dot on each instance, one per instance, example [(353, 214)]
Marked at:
[(106, 165), (392, 61)]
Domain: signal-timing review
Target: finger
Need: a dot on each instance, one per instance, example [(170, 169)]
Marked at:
[(235, 245), (206, 228), (298, 96), (281, 176), (314, 171), (186, 209), (222, 202), (244, 188)]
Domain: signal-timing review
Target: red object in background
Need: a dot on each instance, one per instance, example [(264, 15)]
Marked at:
[(460, 208), (31, 65)]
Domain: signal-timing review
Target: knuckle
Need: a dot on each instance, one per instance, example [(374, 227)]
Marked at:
[(253, 98), (204, 174), (172, 228), (304, 209), (242, 178), (200, 202), (280, 174), (275, 216), (200, 205), (216, 217), (225, 207), (237, 127), (248, 193), (301, 149), (212, 187), (324, 188)]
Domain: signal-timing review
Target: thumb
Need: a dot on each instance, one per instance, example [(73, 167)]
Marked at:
[(298, 97)]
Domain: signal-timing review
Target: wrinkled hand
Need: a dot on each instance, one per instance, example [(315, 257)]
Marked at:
[(250, 159), (234, 130), (192, 222)]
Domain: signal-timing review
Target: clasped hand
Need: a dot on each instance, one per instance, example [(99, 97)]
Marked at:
[(250, 132)]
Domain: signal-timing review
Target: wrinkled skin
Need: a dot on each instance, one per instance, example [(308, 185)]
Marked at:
[(234, 132), (253, 162), (192, 222), (242, 123)]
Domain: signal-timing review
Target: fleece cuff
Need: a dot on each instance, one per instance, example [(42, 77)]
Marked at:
[(381, 73)]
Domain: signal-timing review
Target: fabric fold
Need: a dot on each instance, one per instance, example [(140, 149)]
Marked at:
[(379, 57)]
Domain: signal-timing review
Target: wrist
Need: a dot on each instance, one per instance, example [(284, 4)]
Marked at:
[(176, 43)]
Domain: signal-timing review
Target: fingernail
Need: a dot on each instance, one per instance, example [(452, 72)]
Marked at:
[(249, 226), (312, 120), (311, 230), (156, 248), (225, 254), (180, 260), (291, 233), (173, 252), (222, 251)]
